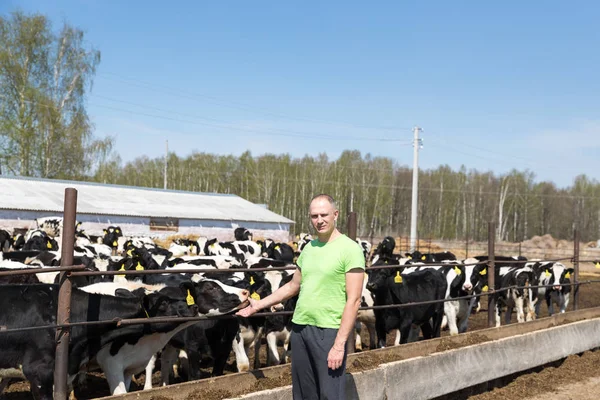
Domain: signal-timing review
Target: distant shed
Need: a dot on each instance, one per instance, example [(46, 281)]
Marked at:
[(139, 211)]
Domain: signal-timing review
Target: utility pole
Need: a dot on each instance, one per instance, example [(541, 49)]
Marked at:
[(417, 143), (166, 157)]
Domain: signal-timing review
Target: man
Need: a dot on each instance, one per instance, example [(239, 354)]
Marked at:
[(329, 281)]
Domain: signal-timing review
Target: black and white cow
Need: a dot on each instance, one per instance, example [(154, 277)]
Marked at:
[(430, 258), (418, 286), (111, 236), (365, 246), (366, 317), (277, 251), (511, 271), (39, 240), (551, 273), (385, 249), (6, 240), (245, 248), (278, 328), (456, 312), (133, 352), (36, 305), (242, 234), (251, 330)]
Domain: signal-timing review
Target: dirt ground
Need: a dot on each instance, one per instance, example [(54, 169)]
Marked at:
[(96, 386), (577, 377)]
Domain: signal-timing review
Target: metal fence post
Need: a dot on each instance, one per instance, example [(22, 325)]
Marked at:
[(352, 235), (491, 273), (576, 268), (61, 363)]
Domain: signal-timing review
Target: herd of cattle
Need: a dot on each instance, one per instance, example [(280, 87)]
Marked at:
[(121, 352)]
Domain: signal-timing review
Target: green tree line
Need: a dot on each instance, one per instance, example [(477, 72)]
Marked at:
[(452, 204), (45, 132)]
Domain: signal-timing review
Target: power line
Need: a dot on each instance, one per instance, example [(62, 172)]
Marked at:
[(265, 132), (285, 131), (494, 153), (234, 104)]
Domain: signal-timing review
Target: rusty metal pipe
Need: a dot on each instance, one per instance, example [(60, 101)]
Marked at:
[(491, 274), (61, 363)]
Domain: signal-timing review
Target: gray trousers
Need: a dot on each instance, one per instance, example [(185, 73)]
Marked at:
[(311, 378)]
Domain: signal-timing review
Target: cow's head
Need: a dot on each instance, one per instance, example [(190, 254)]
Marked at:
[(111, 237), (476, 278), (377, 277), (216, 298), (560, 275)]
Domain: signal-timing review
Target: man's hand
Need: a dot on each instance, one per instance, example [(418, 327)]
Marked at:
[(335, 357), (251, 309)]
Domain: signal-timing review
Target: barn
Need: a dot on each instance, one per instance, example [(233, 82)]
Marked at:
[(139, 211)]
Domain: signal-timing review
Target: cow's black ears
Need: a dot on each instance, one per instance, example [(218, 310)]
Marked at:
[(187, 285)]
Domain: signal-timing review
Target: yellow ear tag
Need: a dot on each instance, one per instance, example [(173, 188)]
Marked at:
[(457, 270), (255, 296), (139, 267), (122, 268), (598, 265), (410, 257), (386, 261), (251, 281), (398, 278), (483, 272), (118, 231), (567, 275), (129, 253), (115, 243), (277, 247), (485, 288), (49, 245), (423, 258), (190, 299), (548, 274)]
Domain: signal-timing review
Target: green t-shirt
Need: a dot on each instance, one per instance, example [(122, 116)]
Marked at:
[(323, 288)]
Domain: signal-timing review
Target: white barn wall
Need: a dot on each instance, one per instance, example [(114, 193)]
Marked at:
[(139, 226)]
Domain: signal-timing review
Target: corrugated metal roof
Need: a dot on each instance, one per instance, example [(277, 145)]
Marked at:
[(31, 194)]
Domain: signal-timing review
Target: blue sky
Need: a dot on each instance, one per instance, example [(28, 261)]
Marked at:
[(494, 85)]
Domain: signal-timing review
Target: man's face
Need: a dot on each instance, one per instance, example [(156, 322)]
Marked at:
[(323, 216)]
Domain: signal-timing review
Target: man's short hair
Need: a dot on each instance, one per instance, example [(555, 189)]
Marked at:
[(326, 197)]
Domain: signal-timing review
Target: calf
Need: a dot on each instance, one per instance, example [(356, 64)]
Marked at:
[(419, 286), (279, 251), (5, 240), (35, 305), (366, 247), (551, 273), (38, 240), (366, 317), (430, 258), (131, 354), (242, 233), (111, 237), (385, 249), (376, 284), (456, 309)]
